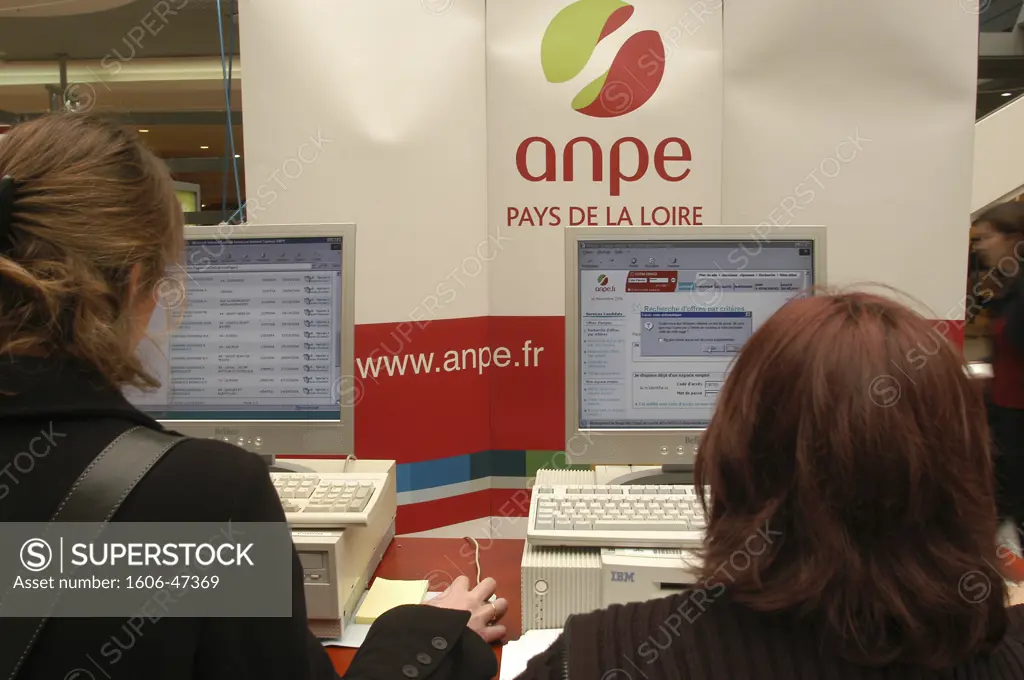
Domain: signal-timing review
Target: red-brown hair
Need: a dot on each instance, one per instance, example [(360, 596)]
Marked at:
[(851, 449)]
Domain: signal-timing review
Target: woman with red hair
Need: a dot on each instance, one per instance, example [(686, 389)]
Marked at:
[(847, 483)]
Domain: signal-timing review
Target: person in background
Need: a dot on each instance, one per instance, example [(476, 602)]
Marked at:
[(89, 225), (1000, 246), (847, 482)]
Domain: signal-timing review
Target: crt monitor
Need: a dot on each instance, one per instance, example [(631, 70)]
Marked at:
[(252, 340), (654, 318)]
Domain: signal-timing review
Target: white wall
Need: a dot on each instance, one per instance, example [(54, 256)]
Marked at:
[(998, 155), (399, 92), (858, 116)]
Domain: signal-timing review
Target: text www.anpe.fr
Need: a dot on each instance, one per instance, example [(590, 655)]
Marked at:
[(453, 360)]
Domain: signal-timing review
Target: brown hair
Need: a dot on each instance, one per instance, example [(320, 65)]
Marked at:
[(91, 206), (849, 437), (1006, 218)]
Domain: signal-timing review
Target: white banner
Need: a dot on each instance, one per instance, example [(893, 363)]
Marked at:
[(599, 113), (373, 113), (858, 116)]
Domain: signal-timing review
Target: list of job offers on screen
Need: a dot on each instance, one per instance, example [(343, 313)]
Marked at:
[(275, 331)]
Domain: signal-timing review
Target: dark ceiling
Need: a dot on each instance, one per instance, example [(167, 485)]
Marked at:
[(1000, 76), (193, 142), (141, 28)]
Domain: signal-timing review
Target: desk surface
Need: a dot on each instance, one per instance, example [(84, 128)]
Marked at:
[(441, 561)]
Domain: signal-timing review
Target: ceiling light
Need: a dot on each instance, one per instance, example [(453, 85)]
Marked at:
[(204, 147), (238, 155), (143, 130), (1007, 94)]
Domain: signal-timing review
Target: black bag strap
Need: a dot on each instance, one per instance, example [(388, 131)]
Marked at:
[(94, 497)]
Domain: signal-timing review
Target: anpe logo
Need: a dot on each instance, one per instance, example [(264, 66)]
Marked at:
[(602, 285), (635, 72)]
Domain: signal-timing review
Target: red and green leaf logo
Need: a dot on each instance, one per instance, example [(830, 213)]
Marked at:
[(602, 280), (635, 72)]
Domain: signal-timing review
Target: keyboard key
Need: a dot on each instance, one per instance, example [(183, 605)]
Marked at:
[(545, 489), (615, 525), (359, 504), (614, 490), (563, 524), (582, 526), (317, 508), (545, 523)]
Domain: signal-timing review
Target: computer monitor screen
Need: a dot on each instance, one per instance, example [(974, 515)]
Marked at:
[(659, 317), (252, 331), (188, 196)]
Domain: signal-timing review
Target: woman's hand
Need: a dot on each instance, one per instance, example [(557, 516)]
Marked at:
[(484, 615)]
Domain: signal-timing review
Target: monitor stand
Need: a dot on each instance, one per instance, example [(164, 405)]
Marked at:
[(678, 474)]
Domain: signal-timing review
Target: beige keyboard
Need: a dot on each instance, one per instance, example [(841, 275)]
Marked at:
[(328, 499), (630, 516)]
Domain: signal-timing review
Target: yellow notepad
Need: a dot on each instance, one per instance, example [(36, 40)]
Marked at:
[(384, 595)]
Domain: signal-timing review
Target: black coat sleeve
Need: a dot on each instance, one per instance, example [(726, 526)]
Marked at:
[(433, 641), (273, 647), (420, 641)]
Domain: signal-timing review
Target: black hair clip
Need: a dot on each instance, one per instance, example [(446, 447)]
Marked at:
[(8, 185)]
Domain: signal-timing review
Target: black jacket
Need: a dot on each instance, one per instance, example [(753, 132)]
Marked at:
[(58, 419), (1008, 303), (703, 635)]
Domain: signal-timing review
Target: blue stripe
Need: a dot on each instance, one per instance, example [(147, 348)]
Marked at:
[(428, 474)]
